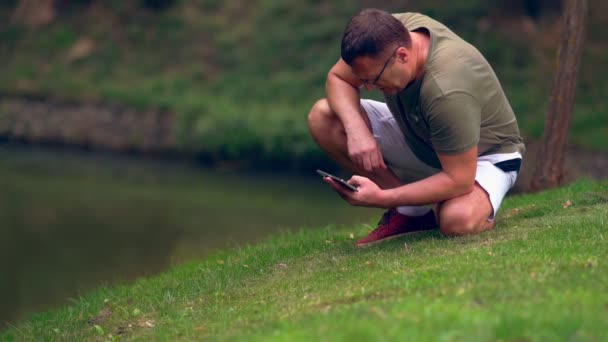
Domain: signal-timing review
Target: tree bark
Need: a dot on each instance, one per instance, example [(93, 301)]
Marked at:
[(34, 13), (549, 170)]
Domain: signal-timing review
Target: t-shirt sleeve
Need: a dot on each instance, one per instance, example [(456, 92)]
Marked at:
[(454, 122)]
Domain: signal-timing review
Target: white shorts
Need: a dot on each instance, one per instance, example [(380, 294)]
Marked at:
[(402, 161)]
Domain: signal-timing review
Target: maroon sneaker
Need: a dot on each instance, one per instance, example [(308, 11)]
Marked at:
[(393, 225)]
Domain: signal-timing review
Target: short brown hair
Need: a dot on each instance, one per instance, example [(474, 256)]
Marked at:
[(370, 32)]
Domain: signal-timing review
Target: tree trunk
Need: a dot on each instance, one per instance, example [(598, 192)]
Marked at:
[(549, 170), (34, 13)]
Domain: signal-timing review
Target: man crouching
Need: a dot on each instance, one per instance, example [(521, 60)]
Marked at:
[(445, 147)]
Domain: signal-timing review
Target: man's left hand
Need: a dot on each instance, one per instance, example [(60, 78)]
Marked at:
[(368, 194)]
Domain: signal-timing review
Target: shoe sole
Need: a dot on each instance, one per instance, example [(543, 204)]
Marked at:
[(392, 237)]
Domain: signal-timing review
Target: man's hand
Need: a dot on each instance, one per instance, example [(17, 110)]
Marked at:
[(364, 151), (368, 194)]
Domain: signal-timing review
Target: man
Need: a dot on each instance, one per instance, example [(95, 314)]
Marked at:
[(444, 149)]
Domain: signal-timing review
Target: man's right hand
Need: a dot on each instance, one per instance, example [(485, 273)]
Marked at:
[(364, 151)]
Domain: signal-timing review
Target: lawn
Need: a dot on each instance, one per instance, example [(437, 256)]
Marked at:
[(541, 274)]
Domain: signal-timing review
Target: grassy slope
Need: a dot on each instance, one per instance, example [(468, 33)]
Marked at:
[(540, 275), (242, 76)]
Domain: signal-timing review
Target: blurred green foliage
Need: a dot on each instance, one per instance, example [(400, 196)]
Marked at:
[(242, 75)]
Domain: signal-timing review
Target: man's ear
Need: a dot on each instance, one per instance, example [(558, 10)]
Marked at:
[(403, 54)]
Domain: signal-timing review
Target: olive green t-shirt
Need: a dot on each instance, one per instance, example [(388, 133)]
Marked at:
[(458, 102)]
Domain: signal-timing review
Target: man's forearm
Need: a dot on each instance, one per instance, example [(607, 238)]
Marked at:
[(344, 100), (437, 188)]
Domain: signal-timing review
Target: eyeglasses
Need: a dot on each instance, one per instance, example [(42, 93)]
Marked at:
[(374, 82)]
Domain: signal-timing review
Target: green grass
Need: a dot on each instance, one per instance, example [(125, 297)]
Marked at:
[(540, 275)]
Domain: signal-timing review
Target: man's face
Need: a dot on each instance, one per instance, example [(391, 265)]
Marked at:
[(388, 72)]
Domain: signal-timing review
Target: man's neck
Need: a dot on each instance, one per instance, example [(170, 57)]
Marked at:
[(420, 48)]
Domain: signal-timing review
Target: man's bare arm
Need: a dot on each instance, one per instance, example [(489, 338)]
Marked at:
[(342, 88), (456, 179)]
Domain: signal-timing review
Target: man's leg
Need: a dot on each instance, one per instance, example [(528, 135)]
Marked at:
[(466, 214), (475, 212), (328, 132)]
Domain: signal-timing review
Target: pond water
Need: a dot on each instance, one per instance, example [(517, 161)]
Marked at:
[(71, 221)]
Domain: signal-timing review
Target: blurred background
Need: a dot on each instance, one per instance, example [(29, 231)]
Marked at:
[(136, 135)]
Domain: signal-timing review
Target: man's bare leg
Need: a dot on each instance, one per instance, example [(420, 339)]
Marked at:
[(467, 214), (327, 130)]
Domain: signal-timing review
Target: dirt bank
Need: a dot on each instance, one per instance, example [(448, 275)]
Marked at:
[(90, 124)]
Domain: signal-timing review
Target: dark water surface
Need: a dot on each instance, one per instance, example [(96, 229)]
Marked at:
[(71, 221)]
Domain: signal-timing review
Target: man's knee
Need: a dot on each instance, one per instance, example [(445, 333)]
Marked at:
[(457, 219), (319, 114), (324, 125)]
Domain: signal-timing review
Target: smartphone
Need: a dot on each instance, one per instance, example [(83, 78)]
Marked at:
[(337, 179)]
